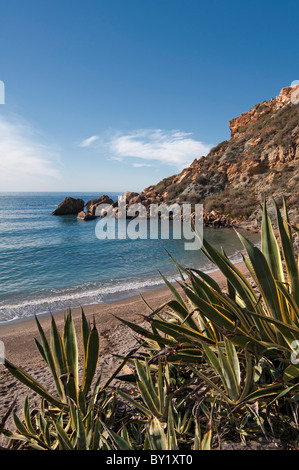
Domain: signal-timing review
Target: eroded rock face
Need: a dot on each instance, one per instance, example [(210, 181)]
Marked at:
[(69, 206), (287, 96), (260, 159), (92, 205)]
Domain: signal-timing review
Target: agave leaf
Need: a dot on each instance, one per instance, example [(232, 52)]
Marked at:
[(181, 269), (211, 311), (212, 385), (197, 437), (41, 350), (147, 390), (146, 333), (201, 290), (27, 417), (172, 443), (188, 356), (57, 348), (64, 441), (284, 392), (119, 442), (293, 308), (237, 311), (233, 275), (269, 246), (174, 292), (201, 443), (233, 359), (212, 358), (160, 388), (46, 433), (44, 427), (249, 377), (156, 435), (96, 436), (225, 319), (20, 426), (71, 387), (82, 402), (288, 252), (50, 360), (181, 333), (289, 333), (85, 331), (182, 313), (291, 373), (264, 392), (126, 437), (73, 412), (206, 440), (230, 288), (81, 434), (135, 403), (33, 384), (91, 360), (71, 347), (25, 435), (208, 280), (263, 278), (230, 371), (89, 426)]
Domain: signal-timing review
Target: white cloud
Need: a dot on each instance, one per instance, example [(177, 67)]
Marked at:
[(89, 141), (169, 147), (23, 157), (140, 165), (117, 159)]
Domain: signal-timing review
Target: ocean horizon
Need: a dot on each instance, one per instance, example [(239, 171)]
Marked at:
[(49, 264)]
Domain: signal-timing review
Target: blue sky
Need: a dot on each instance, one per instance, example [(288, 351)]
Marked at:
[(114, 95)]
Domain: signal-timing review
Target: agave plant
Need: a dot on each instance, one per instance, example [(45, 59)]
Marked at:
[(78, 416), (237, 332), (166, 424), (60, 353), (78, 428)]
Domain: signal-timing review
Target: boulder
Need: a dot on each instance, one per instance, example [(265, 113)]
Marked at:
[(94, 203), (85, 216), (69, 206)]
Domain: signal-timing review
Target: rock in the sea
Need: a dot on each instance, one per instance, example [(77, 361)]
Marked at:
[(85, 216), (69, 206), (94, 203)]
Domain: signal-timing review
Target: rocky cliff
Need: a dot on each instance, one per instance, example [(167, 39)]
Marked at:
[(260, 159)]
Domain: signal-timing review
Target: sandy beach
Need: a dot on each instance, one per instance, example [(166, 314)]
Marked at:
[(115, 338)]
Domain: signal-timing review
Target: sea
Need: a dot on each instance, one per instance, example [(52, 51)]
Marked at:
[(49, 264)]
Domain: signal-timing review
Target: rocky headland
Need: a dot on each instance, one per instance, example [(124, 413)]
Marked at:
[(261, 159)]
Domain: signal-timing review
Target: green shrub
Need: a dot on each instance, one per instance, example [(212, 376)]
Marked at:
[(241, 345)]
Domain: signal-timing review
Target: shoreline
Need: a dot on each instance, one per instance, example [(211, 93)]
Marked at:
[(109, 298), (115, 338), (18, 335)]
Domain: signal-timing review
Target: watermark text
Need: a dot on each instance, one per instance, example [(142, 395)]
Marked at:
[(136, 221)]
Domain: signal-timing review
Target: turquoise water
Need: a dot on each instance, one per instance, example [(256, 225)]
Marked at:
[(50, 263)]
